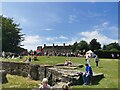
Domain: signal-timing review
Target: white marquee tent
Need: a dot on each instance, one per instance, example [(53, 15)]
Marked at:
[(90, 53)]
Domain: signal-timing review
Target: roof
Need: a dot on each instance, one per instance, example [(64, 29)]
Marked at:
[(89, 51), (56, 47)]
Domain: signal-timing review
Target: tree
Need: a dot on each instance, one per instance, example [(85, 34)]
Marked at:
[(94, 45), (74, 47), (114, 50), (83, 45), (112, 46), (104, 47), (11, 35)]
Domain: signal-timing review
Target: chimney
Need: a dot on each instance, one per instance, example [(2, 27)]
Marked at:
[(53, 44), (44, 45), (64, 44)]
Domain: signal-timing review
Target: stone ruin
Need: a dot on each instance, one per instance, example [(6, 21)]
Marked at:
[(61, 75), (3, 78), (57, 75)]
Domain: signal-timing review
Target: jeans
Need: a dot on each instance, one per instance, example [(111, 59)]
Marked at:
[(86, 79)]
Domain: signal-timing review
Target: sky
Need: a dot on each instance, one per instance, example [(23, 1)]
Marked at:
[(64, 22)]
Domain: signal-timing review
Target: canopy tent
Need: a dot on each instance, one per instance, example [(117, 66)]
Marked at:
[(90, 53)]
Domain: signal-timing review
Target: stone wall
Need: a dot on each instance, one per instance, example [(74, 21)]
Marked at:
[(33, 71), (15, 68), (54, 74)]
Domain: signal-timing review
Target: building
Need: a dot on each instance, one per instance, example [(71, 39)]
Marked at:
[(57, 49)]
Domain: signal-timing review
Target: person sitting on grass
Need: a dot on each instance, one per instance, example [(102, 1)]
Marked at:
[(29, 59), (66, 63), (25, 60), (69, 62), (45, 85), (88, 74), (35, 58)]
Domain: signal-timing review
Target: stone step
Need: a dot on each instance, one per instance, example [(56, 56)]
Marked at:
[(98, 74), (73, 65), (67, 67), (59, 85)]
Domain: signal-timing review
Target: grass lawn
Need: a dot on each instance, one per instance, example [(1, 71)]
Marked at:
[(15, 81), (107, 66)]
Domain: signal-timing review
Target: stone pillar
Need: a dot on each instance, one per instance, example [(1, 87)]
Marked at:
[(3, 78)]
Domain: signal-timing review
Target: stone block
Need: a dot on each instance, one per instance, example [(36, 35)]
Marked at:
[(3, 78)]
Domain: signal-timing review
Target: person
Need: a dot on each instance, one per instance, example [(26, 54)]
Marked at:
[(45, 85), (25, 60), (69, 62), (65, 87), (112, 55), (13, 56), (3, 54), (88, 60), (96, 60), (88, 74), (35, 58), (86, 57), (30, 59), (118, 56), (20, 57), (66, 62)]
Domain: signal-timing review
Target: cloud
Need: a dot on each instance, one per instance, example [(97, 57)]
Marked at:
[(31, 42), (48, 29), (51, 18), (56, 38), (23, 20), (51, 38), (105, 24), (106, 27), (72, 18), (63, 37), (89, 35), (4, 15), (96, 32), (93, 14), (99, 32)]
